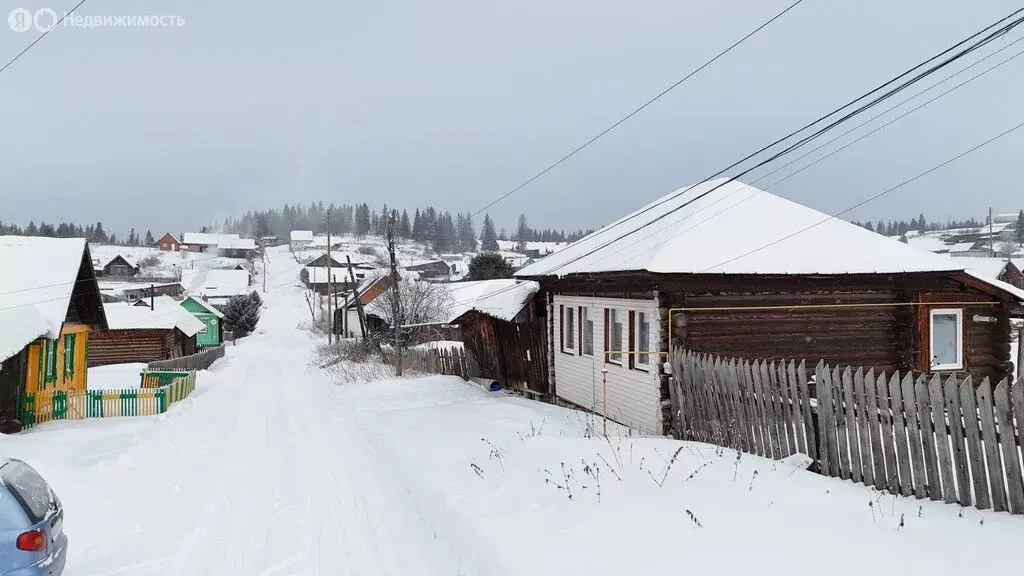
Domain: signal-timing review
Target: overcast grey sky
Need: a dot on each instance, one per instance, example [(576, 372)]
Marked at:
[(453, 102)]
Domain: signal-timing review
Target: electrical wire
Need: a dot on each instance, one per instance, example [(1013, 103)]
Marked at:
[(987, 36), (637, 110), (756, 191), (872, 198), (985, 39), (40, 37)]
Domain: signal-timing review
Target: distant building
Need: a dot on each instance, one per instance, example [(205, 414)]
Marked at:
[(227, 245), (117, 266), (300, 239), (168, 243), (431, 270)]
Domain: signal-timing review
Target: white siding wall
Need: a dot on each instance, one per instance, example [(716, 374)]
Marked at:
[(634, 396)]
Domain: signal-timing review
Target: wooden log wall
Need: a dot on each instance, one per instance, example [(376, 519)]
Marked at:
[(123, 346), (930, 436)]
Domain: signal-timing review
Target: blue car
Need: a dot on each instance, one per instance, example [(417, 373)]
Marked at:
[(32, 539)]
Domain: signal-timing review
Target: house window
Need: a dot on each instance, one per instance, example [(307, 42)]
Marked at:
[(50, 361), (614, 348), (69, 354), (588, 332), (643, 340), (946, 328), (568, 331)]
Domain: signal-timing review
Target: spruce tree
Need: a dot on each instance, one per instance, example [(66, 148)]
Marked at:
[(488, 239), (405, 228), (1019, 232), (149, 238)]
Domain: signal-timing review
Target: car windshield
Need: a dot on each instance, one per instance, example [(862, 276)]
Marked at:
[(29, 487)]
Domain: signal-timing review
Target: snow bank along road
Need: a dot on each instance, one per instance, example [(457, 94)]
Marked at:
[(270, 469)]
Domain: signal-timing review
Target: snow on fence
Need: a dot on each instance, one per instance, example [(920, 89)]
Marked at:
[(933, 437), (199, 361), (46, 405)]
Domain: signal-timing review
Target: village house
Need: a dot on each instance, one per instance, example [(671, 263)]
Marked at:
[(300, 239), (213, 332), (129, 291), (216, 286), (432, 270), (226, 245), (786, 282), (169, 243), (369, 290), (144, 331), (47, 310), (118, 266)]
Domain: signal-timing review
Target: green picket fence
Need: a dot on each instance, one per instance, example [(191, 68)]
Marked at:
[(46, 405)]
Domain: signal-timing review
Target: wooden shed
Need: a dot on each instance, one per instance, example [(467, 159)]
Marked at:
[(505, 331), (726, 269), (140, 333)]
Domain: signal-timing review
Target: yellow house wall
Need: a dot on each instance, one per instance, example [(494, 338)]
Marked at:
[(77, 380)]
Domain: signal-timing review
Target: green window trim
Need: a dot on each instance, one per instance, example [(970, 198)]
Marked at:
[(50, 347), (69, 354)]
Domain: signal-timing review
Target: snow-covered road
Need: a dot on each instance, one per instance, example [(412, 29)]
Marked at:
[(272, 469), (251, 476)]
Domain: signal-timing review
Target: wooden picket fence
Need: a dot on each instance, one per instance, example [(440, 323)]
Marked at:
[(198, 361), (47, 405), (928, 436)]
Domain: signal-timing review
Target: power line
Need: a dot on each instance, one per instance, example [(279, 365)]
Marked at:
[(41, 36), (986, 37), (756, 191), (872, 198), (984, 40), (636, 111)]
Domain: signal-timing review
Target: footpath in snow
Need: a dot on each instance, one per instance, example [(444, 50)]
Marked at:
[(272, 469)]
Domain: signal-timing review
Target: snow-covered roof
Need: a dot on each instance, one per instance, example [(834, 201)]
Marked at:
[(206, 306), (227, 242), (203, 238), (20, 326), (215, 283), (986, 267), (118, 288), (928, 242), (106, 262), (166, 314), (35, 288), (502, 299), (543, 247), (319, 274), (302, 236), (961, 247), (682, 233)]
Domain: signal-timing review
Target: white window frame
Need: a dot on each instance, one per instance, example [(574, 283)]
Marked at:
[(637, 364), (586, 320), (959, 313), (569, 319)]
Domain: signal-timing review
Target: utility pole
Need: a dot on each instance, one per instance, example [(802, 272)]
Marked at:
[(357, 297), (330, 283), (396, 298), (991, 242), (263, 258)]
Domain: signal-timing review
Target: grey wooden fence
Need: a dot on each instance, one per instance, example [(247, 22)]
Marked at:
[(450, 361), (928, 436), (199, 361)]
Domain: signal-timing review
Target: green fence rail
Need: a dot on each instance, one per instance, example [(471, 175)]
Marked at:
[(47, 405)]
